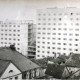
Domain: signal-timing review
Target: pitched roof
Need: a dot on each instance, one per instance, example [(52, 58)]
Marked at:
[(20, 61), (74, 60), (55, 70), (3, 65)]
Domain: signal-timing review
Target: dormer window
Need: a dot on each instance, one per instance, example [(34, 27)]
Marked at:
[(10, 71)]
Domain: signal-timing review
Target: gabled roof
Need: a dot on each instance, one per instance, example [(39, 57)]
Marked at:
[(55, 70), (74, 60), (3, 65), (20, 61)]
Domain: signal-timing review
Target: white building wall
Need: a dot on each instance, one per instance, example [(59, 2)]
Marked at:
[(58, 32), (15, 70), (14, 32)]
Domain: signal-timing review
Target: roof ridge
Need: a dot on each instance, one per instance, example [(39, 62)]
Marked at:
[(5, 60)]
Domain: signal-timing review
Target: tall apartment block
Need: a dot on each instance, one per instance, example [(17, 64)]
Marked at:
[(58, 32), (15, 32)]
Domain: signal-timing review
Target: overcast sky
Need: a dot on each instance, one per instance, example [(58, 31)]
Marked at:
[(26, 9)]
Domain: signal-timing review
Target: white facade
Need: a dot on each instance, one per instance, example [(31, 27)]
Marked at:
[(15, 32), (58, 32), (11, 73)]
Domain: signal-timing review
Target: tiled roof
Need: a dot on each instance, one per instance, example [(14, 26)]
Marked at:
[(3, 65), (74, 60), (20, 61), (55, 70)]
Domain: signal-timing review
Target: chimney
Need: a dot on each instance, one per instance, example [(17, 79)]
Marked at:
[(13, 47)]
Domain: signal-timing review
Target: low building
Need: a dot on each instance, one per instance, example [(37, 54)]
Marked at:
[(55, 70), (8, 70), (72, 69), (14, 61)]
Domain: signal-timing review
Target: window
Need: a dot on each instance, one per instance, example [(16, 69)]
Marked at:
[(18, 48), (48, 52), (76, 44), (70, 44), (64, 38), (48, 33), (10, 71), (76, 49), (70, 49), (77, 24), (76, 34), (59, 48), (10, 78), (70, 34), (14, 25), (59, 43), (77, 29), (76, 39), (59, 28), (48, 47), (64, 33), (14, 34), (65, 28), (44, 28), (53, 43), (39, 24), (59, 38), (48, 37), (43, 37), (59, 33), (43, 42), (9, 34), (43, 56), (64, 48), (38, 51), (53, 47), (1, 25), (54, 33), (38, 55), (48, 42), (49, 23), (18, 34), (53, 38), (59, 19), (42, 51), (71, 13), (16, 78), (18, 39), (18, 30), (64, 43), (54, 23)]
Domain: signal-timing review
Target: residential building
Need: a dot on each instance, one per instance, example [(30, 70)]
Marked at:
[(72, 69), (58, 32), (68, 70), (9, 71), (14, 65), (15, 32)]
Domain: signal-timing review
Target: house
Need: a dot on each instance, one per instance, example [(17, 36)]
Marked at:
[(72, 69), (26, 69), (8, 70), (55, 70)]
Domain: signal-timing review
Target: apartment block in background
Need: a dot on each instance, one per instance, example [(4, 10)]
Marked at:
[(58, 32), (15, 32)]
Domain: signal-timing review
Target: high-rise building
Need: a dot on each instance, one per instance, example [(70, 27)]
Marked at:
[(15, 32), (58, 32)]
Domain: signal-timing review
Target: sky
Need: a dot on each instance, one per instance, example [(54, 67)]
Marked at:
[(26, 9)]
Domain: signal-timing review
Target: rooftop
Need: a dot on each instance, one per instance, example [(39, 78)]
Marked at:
[(19, 60)]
